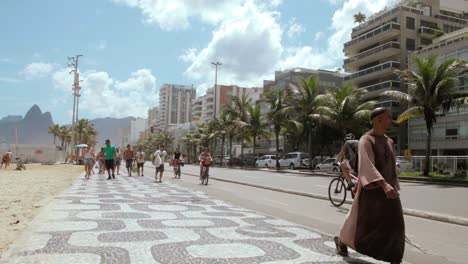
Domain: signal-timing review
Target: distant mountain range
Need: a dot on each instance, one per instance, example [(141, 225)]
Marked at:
[(33, 128)]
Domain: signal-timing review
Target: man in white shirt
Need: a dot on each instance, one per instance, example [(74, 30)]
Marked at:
[(158, 161)]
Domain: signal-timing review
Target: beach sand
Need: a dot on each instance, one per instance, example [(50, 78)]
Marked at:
[(24, 193)]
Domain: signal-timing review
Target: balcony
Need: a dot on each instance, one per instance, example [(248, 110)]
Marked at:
[(452, 19), (387, 31), (376, 89), (373, 72), (386, 50), (429, 33)]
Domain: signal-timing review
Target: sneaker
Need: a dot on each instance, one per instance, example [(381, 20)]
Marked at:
[(351, 185), (113, 176), (108, 178)]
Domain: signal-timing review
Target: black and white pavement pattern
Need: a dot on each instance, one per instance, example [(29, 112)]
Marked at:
[(135, 220)]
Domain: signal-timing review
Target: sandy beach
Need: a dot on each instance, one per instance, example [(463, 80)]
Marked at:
[(24, 193)]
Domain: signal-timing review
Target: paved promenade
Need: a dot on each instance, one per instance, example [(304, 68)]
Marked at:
[(134, 220)]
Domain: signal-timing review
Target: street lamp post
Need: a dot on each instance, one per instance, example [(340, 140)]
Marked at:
[(73, 62), (216, 64)]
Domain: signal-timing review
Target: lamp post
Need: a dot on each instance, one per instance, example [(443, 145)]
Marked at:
[(216, 64), (73, 62)]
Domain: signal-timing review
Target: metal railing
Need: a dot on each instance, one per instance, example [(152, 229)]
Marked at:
[(419, 138), (449, 165), (428, 30), (388, 45), (452, 19), (382, 85), (372, 33), (380, 67)]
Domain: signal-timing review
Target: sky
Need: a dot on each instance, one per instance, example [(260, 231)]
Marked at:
[(131, 47)]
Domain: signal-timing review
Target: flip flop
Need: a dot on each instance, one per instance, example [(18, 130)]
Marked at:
[(341, 249)]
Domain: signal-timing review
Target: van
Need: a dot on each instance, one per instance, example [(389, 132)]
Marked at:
[(294, 160)]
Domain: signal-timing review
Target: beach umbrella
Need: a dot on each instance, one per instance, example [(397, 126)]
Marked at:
[(81, 146)]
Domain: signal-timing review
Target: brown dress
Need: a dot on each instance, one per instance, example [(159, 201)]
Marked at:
[(375, 225)]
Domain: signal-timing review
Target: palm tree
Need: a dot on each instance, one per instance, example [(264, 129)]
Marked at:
[(82, 127), (292, 132), (302, 103), (165, 138), (222, 127), (54, 130), (345, 109), (359, 18), (63, 134), (431, 89), (276, 116), (256, 124), (239, 110)]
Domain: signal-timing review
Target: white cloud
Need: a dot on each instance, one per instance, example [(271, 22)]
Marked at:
[(102, 96), (318, 35), (295, 28), (37, 70), (175, 14)]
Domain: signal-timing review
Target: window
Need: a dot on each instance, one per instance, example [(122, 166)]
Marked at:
[(410, 44), (426, 41), (451, 133), (409, 23)]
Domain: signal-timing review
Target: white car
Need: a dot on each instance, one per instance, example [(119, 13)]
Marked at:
[(294, 160), (267, 161), (328, 165)]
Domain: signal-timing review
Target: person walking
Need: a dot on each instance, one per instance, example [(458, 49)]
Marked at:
[(140, 160), (6, 159), (100, 161), (118, 160), (88, 156), (128, 157), (158, 161), (375, 226), (109, 156)]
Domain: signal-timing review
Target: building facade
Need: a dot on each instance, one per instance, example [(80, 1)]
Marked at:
[(175, 105), (381, 45), (450, 132), (137, 127), (153, 114)]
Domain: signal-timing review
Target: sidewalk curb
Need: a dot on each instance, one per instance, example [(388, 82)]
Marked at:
[(411, 212)]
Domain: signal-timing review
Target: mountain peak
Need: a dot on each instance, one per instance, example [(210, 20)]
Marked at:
[(33, 112)]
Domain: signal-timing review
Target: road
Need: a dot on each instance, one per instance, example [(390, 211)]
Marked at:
[(428, 241), (440, 199)]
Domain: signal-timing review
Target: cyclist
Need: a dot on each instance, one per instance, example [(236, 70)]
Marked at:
[(176, 161), (349, 151), (205, 161)]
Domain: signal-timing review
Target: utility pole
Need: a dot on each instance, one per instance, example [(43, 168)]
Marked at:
[(73, 62), (216, 64)]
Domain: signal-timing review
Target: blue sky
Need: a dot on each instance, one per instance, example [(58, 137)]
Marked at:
[(131, 47)]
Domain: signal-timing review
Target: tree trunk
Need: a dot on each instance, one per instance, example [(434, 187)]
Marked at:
[(427, 162), (277, 149), (310, 147), (230, 150), (242, 147), (54, 138), (223, 138), (254, 141)]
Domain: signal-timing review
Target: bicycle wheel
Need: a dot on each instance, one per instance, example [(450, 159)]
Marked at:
[(206, 178), (337, 192)]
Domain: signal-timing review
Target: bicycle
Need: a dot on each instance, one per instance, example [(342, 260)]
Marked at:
[(204, 175), (20, 164), (177, 171), (337, 190)]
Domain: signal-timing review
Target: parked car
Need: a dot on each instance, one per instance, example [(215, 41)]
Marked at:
[(267, 161), (294, 160), (328, 165)]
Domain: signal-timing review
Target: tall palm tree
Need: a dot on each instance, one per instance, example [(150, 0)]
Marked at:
[(303, 103), (222, 127), (431, 89), (344, 108), (63, 134), (240, 112), (359, 18), (166, 138), (256, 126), (54, 130), (276, 116), (82, 127)]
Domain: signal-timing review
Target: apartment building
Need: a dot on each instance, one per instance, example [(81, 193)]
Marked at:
[(327, 79), (153, 114), (137, 127), (197, 108), (224, 96), (381, 45), (450, 132), (175, 105)]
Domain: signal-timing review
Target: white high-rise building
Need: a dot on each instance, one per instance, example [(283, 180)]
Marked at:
[(175, 105), (136, 127)]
